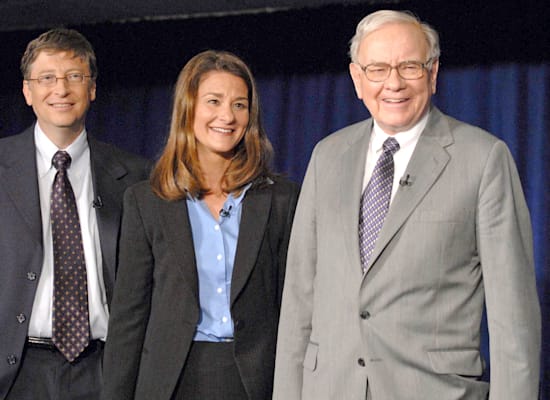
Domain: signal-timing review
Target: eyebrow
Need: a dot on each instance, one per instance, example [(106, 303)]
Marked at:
[(53, 71), (399, 62), (221, 95)]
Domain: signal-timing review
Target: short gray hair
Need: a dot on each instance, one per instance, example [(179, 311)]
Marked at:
[(375, 20)]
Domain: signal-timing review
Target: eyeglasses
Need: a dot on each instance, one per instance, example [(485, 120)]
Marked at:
[(50, 80), (409, 70)]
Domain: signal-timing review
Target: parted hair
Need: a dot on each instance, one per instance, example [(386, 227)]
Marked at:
[(59, 39), (177, 173)]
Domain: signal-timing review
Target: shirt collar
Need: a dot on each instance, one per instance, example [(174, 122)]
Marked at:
[(230, 200), (238, 200), (403, 138), (46, 149)]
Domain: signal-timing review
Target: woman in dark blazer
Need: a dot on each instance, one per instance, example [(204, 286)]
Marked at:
[(202, 251)]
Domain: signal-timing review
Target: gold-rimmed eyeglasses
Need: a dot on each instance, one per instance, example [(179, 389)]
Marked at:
[(50, 80), (409, 70)]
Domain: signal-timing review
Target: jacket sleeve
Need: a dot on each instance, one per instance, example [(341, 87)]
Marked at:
[(506, 253), (297, 303)]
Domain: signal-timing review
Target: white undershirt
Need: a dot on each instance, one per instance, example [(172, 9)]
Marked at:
[(80, 176), (407, 142)]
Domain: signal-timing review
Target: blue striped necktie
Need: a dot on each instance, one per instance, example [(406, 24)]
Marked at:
[(375, 201)]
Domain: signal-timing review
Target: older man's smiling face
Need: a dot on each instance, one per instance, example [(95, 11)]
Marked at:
[(396, 104)]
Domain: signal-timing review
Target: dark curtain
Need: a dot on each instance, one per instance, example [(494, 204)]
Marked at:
[(509, 100)]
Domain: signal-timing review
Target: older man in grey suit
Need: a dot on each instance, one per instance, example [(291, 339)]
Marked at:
[(37, 304), (407, 224)]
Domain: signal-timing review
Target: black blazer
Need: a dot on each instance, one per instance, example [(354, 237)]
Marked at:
[(156, 304), (21, 251)]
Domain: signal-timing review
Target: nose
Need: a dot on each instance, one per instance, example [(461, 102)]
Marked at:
[(227, 114), (61, 86), (394, 81)]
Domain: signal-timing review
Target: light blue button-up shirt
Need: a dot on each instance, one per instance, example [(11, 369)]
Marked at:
[(215, 245)]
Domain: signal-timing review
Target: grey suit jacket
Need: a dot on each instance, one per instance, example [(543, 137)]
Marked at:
[(21, 251), (156, 305), (458, 236)]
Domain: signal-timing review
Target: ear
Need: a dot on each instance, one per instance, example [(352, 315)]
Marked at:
[(433, 75), (92, 90), (357, 77), (27, 93)]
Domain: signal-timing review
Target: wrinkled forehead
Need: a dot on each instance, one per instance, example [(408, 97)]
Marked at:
[(394, 42)]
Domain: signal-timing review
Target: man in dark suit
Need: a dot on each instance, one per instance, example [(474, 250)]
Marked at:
[(59, 82)]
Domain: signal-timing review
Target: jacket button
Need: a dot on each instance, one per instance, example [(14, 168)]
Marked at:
[(31, 276), (365, 315), (21, 318), (11, 359), (361, 362)]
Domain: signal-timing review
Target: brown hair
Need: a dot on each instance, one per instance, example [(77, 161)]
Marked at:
[(177, 173), (59, 39)]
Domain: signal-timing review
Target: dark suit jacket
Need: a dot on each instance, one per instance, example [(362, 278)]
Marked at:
[(21, 251), (156, 304)]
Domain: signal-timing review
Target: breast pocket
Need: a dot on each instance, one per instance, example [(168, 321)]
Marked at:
[(434, 215)]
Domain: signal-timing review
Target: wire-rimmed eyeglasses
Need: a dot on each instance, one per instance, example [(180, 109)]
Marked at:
[(409, 70), (49, 80)]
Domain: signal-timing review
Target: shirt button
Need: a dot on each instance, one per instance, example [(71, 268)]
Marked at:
[(216, 227), (219, 257), (21, 318), (224, 320), (219, 290), (365, 315), (31, 276), (11, 359), (361, 362)]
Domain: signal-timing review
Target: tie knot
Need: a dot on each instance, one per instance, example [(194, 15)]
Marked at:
[(61, 160), (390, 145)]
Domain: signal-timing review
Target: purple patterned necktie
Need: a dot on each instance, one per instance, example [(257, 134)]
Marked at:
[(70, 321), (375, 201)]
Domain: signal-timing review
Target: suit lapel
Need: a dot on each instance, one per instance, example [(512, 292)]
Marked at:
[(255, 213), (425, 166), (174, 220), (18, 177), (352, 168), (106, 175)]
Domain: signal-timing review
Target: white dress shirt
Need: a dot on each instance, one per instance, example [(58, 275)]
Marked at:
[(407, 142), (80, 176)]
